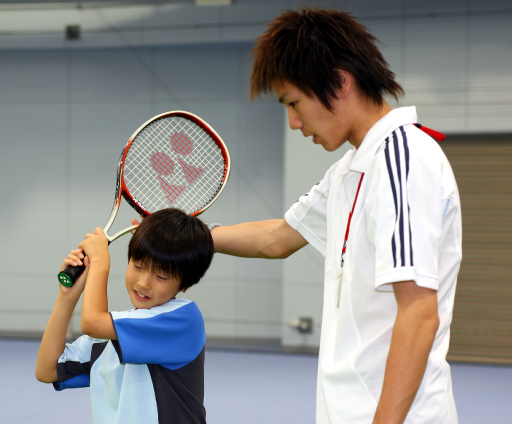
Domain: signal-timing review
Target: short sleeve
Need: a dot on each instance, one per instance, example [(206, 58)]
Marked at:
[(172, 334), (74, 365), (308, 215), (404, 209)]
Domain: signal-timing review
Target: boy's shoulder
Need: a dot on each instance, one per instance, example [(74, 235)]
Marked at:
[(170, 333), (181, 307), (177, 306)]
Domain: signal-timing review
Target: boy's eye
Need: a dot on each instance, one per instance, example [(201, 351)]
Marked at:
[(161, 277), (137, 266)]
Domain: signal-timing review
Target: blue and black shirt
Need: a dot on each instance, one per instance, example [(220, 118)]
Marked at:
[(152, 374)]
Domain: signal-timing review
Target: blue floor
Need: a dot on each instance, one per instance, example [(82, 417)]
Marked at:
[(240, 387)]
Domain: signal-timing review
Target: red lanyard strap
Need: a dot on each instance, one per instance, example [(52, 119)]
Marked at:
[(348, 223)]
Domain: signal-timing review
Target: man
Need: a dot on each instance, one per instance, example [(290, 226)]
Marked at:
[(386, 217)]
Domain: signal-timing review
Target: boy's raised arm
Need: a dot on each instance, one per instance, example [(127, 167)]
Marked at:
[(96, 320), (54, 338), (271, 239)]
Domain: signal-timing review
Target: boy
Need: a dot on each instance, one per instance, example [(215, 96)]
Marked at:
[(386, 217), (145, 365)]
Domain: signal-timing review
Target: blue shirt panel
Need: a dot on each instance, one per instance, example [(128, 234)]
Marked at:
[(74, 383), (171, 335)]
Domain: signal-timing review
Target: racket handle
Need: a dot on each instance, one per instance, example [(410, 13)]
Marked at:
[(70, 275)]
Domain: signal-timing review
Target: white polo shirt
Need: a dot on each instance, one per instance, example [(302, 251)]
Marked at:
[(406, 226)]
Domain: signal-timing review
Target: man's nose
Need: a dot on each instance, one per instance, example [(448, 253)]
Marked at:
[(293, 120)]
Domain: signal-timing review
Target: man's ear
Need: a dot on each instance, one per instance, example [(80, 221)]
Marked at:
[(346, 82)]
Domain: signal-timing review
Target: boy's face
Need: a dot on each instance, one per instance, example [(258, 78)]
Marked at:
[(148, 289), (309, 115)]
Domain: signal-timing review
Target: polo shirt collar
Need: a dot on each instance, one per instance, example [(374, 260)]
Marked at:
[(374, 138)]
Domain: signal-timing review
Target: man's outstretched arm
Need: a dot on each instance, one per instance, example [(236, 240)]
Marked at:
[(272, 239)]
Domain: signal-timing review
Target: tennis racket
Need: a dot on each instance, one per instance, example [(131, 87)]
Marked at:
[(173, 160)]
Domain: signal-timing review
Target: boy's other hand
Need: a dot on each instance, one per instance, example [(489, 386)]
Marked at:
[(75, 258), (95, 246)]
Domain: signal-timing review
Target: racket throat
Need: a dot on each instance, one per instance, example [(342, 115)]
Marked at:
[(120, 233)]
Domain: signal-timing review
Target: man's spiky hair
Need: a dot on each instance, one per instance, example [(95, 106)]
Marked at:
[(308, 47)]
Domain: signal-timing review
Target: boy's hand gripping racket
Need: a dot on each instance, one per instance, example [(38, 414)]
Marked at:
[(173, 160)]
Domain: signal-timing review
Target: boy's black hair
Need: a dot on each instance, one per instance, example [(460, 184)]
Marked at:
[(307, 48), (171, 242)]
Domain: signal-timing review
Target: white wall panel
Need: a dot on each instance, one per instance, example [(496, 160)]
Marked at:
[(33, 170), (308, 304), (23, 75), (437, 79), (27, 313)]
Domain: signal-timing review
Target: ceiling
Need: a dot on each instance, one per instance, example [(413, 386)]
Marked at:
[(110, 3)]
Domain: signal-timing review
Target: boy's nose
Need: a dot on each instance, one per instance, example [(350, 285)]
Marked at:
[(144, 280)]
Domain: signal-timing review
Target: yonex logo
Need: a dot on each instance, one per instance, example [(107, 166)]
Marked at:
[(165, 166)]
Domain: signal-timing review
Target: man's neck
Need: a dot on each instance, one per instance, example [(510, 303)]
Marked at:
[(366, 115)]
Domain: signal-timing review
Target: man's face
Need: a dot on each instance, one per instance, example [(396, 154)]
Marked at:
[(148, 289), (310, 116)]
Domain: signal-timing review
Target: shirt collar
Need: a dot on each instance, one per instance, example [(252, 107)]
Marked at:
[(374, 138)]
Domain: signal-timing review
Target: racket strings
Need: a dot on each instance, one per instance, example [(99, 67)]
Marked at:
[(174, 162), (174, 184)]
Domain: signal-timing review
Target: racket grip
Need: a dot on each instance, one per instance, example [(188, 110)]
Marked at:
[(68, 276)]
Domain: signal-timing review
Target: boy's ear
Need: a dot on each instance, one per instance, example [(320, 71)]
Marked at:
[(183, 290)]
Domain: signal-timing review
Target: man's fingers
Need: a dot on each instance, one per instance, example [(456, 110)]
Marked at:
[(134, 222)]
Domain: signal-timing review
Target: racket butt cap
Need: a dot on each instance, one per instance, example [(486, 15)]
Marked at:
[(64, 279), (68, 276)]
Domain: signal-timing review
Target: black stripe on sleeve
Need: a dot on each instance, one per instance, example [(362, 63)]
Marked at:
[(406, 148), (401, 212), (68, 370), (393, 189), (71, 369)]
